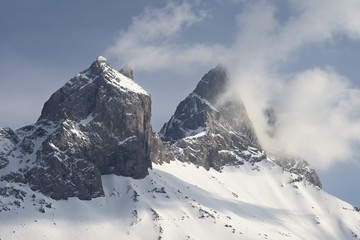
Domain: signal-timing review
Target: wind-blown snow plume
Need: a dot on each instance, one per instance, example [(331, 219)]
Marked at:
[(314, 112)]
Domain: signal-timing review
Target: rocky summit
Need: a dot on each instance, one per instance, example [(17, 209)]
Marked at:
[(99, 123), (211, 130)]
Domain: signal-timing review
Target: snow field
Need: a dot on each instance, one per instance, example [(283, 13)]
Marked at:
[(182, 201)]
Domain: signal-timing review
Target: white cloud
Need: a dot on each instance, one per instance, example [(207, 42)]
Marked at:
[(151, 44), (315, 118), (270, 40), (165, 22), (317, 110)]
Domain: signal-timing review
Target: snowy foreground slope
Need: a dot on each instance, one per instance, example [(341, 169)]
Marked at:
[(183, 201)]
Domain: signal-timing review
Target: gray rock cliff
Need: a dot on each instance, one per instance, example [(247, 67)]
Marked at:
[(97, 123), (210, 129), (8, 141), (299, 168)]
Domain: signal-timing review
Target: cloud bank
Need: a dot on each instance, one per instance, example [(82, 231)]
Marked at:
[(315, 112), (151, 42)]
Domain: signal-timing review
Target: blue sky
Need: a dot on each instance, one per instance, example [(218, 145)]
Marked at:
[(299, 57)]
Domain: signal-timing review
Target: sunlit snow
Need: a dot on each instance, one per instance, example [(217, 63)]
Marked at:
[(182, 201)]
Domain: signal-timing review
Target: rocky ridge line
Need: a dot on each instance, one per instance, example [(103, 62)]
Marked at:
[(99, 123)]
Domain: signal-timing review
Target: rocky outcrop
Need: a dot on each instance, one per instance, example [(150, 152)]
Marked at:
[(210, 129), (299, 167), (97, 123), (106, 122), (127, 71), (8, 141)]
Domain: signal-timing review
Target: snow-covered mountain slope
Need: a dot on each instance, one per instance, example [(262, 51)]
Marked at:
[(182, 201)]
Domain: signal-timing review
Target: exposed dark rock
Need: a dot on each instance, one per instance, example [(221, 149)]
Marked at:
[(11, 198), (104, 129), (97, 123), (15, 177), (8, 141), (11, 191), (192, 113), (127, 71), (160, 151), (299, 167), (8, 133), (213, 84), (3, 161), (210, 129)]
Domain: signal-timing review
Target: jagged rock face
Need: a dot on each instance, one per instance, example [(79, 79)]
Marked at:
[(98, 123), (299, 167), (161, 151), (8, 141), (210, 129), (127, 71), (192, 113)]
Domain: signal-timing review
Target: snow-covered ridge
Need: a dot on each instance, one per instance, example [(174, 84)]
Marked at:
[(204, 101), (122, 82), (101, 67), (117, 79)]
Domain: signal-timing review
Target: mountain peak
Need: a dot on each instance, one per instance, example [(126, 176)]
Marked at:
[(97, 123), (127, 71), (209, 132), (101, 59), (213, 84), (99, 65)]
